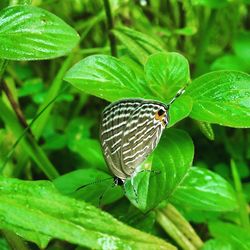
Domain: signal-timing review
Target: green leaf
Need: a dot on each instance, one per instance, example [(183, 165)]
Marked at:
[(230, 62), (166, 73), (97, 186), (180, 109), (173, 157), (38, 213), (31, 33), (90, 150), (4, 244), (139, 44), (241, 45), (238, 237), (221, 97), (105, 77), (217, 244), (211, 3), (205, 190), (207, 129)]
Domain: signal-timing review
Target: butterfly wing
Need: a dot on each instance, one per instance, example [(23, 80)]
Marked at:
[(141, 135), (113, 123)]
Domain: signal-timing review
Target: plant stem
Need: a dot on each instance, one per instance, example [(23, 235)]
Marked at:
[(243, 213), (183, 225), (170, 228), (110, 26), (203, 42), (14, 104), (28, 142), (3, 64), (53, 92)]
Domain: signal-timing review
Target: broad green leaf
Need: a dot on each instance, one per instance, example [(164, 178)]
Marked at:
[(172, 157), (221, 97), (230, 62), (36, 211), (180, 109), (106, 77), (90, 150), (217, 244), (139, 44), (238, 237), (205, 190), (166, 73), (97, 186), (31, 33)]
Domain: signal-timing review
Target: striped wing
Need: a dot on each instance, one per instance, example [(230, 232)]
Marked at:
[(114, 121), (141, 135)]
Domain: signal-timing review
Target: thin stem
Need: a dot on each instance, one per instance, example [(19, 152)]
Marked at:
[(29, 143), (170, 228), (243, 210), (183, 225), (15, 105), (52, 94), (204, 41), (110, 26), (9, 155), (3, 64)]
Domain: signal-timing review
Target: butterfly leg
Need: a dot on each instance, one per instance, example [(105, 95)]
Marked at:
[(135, 191), (102, 195)]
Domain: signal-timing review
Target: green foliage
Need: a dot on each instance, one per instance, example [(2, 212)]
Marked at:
[(237, 237), (205, 190), (29, 33), (140, 45), (166, 73), (176, 151), (105, 77), (221, 97), (162, 47), (37, 212)]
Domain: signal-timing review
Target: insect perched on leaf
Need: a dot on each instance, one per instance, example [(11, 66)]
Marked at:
[(130, 130)]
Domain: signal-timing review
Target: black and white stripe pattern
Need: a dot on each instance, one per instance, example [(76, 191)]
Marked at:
[(129, 132)]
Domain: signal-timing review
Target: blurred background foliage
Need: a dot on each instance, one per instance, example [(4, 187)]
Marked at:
[(212, 35)]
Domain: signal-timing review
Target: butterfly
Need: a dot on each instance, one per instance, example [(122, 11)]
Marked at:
[(129, 132)]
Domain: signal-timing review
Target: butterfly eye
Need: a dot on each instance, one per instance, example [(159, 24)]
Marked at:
[(160, 112)]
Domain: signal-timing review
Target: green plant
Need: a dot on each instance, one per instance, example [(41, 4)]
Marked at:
[(51, 131)]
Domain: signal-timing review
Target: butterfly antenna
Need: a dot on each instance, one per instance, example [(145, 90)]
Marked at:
[(94, 182), (179, 93)]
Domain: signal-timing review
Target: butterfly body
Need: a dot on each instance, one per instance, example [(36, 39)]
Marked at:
[(130, 130)]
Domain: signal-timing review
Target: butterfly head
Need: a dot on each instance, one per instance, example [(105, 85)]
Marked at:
[(161, 115)]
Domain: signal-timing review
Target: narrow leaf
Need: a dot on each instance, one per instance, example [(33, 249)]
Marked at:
[(207, 129), (139, 44)]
